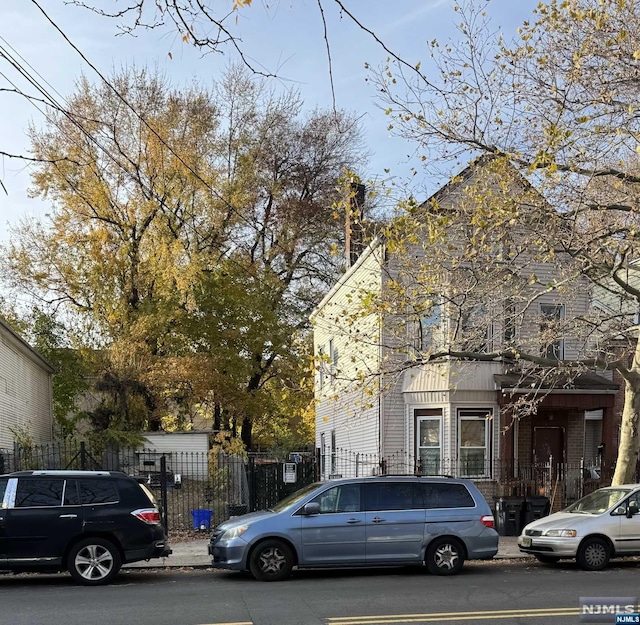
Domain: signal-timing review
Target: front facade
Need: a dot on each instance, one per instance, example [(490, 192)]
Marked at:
[(451, 416), (25, 390)]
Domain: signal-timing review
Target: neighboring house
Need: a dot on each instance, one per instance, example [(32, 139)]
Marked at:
[(449, 416), (185, 452), (25, 390)]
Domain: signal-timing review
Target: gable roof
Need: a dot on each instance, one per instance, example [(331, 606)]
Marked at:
[(18, 343)]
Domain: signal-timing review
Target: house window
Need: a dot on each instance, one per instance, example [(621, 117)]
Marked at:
[(429, 327), (321, 368), (333, 360), (429, 441), (477, 331), (333, 452), (509, 322), (323, 451), (552, 315), (473, 442)]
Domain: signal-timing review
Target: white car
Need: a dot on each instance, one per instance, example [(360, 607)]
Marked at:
[(596, 528)]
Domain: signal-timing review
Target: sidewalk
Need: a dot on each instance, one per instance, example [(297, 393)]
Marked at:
[(193, 554)]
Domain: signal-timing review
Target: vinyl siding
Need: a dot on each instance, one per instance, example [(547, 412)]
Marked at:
[(25, 391), (186, 452), (346, 397)]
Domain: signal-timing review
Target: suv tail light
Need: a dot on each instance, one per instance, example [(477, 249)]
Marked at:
[(148, 515), (488, 521)]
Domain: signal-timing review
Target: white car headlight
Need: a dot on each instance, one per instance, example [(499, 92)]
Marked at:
[(562, 533), (235, 532)]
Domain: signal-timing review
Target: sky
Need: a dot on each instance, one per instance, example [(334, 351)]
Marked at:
[(283, 36)]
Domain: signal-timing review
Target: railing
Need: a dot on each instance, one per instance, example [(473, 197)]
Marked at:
[(196, 489), (561, 482)]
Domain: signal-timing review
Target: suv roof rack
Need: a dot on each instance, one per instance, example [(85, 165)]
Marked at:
[(414, 475)]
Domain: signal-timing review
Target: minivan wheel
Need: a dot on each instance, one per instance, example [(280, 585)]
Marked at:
[(445, 556), (593, 554), (271, 561), (94, 561)]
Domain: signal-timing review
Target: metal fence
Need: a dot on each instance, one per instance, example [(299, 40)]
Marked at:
[(196, 489), (199, 489), (561, 482)]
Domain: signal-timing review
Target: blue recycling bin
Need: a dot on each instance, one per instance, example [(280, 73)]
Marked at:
[(202, 519)]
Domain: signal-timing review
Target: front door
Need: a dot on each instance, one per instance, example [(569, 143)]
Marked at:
[(548, 442), (38, 525), (337, 534)]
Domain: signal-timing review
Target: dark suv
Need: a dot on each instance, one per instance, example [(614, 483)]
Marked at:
[(86, 522)]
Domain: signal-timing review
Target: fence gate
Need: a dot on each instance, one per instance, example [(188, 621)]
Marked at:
[(269, 482)]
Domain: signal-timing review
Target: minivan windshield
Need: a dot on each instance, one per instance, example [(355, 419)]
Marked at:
[(599, 501), (294, 497)]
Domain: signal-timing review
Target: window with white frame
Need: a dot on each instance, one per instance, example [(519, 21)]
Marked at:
[(477, 329), (429, 440), (430, 328), (474, 439)]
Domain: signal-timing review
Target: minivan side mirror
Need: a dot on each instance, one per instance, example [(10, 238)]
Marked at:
[(311, 508), (632, 509)]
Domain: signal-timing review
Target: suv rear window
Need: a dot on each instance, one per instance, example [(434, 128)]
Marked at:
[(97, 491), (442, 495)]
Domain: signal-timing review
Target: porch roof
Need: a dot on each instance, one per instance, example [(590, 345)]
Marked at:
[(585, 383)]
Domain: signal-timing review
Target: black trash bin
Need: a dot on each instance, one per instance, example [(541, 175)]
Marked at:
[(535, 507), (509, 515)]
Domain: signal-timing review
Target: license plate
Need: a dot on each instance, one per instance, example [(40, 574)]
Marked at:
[(526, 541)]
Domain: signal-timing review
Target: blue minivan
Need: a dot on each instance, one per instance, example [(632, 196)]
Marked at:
[(362, 522)]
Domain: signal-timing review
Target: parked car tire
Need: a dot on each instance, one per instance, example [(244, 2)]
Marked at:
[(546, 559), (271, 561), (445, 556), (94, 561), (593, 554)]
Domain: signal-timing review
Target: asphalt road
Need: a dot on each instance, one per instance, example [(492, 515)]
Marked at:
[(520, 592)]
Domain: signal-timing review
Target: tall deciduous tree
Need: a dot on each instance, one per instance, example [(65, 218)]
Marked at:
[(191, 234), (561, 104)]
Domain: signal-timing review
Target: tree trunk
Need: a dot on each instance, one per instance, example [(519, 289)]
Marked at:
[(247, 432), (629, 440)]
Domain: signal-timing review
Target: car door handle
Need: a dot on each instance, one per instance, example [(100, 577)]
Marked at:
[(68, 516), (377, 519), (352, 521)]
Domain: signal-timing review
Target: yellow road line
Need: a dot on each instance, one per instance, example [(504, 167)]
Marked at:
[(452, 616), (234, 623)]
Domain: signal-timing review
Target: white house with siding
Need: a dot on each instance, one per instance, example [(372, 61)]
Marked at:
[(25, 390), (185, 452), (445, 416)]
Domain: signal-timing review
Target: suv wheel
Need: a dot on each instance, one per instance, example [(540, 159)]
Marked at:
[(593, 554), (94, 561), (271, 561), (445, 556)]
